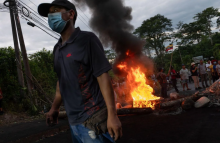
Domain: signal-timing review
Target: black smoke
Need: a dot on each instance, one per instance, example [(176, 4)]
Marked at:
[(111, 21)]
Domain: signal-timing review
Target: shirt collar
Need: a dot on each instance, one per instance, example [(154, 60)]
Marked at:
[(71, 39)]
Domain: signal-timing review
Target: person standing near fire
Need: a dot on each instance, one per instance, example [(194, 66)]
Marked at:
[(209, 72), (214, 72), (173, 78), (202, 72), (195, 76), (161, 77), (218, 69), (83, 84), (184, 73)]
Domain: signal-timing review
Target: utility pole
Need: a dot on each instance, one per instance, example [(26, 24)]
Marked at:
[(23, 50), (17, 51)]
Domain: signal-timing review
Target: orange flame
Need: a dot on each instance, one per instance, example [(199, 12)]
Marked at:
[(139, 90)]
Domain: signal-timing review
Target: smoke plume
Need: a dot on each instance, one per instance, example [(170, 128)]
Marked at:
[(111, 21)]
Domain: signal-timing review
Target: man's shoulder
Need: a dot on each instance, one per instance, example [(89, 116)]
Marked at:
[(87, 34)]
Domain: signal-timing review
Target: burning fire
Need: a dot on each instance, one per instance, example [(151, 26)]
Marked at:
[(139, 90)]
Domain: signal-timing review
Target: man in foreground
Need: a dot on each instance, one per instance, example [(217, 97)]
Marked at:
[(83, 82)]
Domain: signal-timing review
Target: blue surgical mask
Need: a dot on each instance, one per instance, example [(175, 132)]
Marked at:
[(56, 22)]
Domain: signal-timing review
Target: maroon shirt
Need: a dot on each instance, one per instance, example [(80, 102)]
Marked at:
[(173, 74)]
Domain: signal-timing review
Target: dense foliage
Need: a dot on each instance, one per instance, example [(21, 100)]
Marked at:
[(44, 80)]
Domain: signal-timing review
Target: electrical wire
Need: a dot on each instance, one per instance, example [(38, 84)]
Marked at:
[(80, 9), (35, 20), (42, 29), (33, 11), (35, 17), (22, 16), (75, 4), (33, 3)]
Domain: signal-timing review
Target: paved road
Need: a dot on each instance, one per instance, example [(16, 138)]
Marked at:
[(180, 88), (194, 126)]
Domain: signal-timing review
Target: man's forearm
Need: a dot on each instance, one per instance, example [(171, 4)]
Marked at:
[(58, 99), (107, 92)]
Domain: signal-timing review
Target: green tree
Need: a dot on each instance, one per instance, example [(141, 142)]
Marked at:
[(41, 65), (156, 31), (204, 19), (9, 79)]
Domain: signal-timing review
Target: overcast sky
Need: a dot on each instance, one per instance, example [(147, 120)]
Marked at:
[(36, 39)]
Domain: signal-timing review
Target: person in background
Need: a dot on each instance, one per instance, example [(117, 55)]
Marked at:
[(173, 78), (214, 72), (209, 72), (195, 77), (218, 69), (184, 73), (1, 97), (161, 77), (202, 73), (178, 78), (190, 77)]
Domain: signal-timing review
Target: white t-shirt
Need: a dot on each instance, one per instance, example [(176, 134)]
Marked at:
[(218, 68), (184, 73), (207, 67)]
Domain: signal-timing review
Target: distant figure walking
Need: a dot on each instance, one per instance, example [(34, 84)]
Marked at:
[(173, 74), (184, 73), (218, 69), (195, 77), (214, 72), (161, 77), (209, 72), (202, 72)]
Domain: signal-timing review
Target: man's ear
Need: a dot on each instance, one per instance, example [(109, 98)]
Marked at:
[(72, 14)]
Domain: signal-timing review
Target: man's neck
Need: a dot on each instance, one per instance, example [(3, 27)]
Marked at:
[(67, 33)]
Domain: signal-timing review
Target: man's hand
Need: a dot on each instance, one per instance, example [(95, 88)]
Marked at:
[(113, 123), (114, 127), (52, 117)]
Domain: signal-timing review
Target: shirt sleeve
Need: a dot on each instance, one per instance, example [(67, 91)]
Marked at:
[(181, 72), (99, 62)]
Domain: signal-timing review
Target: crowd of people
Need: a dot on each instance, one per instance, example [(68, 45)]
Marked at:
[(205, 72)]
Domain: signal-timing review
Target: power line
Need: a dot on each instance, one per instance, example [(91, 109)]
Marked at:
[(85, 23), (33, 3), (81, 10), (78, 13), (35, 17), (22, 16), (35, 13)]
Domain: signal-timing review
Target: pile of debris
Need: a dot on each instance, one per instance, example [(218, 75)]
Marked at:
[(176, 104)]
